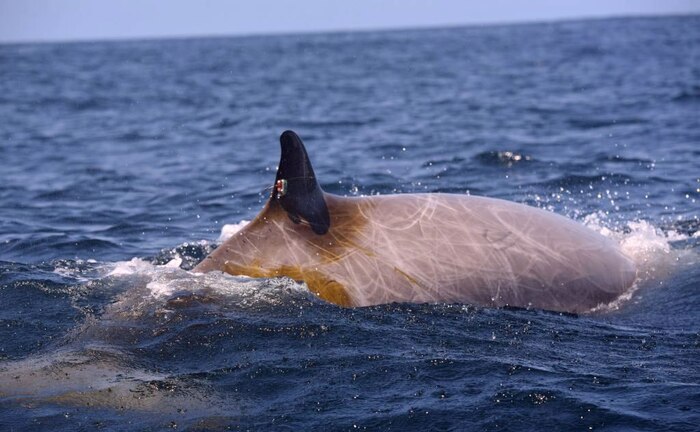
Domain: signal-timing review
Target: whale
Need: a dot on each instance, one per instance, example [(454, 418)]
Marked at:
[(421, 248)]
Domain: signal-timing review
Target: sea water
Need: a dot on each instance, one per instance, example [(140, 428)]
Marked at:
[(122, 164)]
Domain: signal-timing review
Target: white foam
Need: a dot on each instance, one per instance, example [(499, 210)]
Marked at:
[(174, 263), (134, 266), (645, 241), (154, 284), (227, 231), (161, 276), (139, 267), (618, 302), (74, 272), (646, 245)]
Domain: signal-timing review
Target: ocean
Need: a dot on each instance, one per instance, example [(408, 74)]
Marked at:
[(122, 164)]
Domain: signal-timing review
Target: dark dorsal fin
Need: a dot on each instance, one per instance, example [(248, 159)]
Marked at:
[(296, 188)]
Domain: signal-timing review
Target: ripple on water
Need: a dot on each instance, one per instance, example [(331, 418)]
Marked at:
[(121, 161)]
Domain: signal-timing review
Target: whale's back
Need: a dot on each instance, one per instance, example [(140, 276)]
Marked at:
[(421, 247), (454, 248)]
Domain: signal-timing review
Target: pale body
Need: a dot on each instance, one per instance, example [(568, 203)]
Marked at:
[(433, 248)]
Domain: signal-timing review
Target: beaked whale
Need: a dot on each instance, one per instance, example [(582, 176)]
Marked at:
[(360, 251)]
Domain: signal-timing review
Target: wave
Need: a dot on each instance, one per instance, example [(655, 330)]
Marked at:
[(570, 180), (657, 252), (507, 158)]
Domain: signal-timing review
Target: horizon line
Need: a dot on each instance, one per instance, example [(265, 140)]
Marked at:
[(398, 28)]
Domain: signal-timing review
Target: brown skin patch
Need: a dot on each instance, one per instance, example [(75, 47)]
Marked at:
[(324, 287), (248, 252), (347, 223)]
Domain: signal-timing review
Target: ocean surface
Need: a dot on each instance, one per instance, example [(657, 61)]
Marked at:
[(122, 164)]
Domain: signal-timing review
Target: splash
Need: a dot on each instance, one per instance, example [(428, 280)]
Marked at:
[(126, 268), (78, 270), (149, 287), (649, 247), (95, 364), (227, 231)]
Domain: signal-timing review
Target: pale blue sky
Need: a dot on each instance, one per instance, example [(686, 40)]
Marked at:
[(53, 20)]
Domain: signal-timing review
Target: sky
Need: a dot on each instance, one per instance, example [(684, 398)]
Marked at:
[(68, 20)]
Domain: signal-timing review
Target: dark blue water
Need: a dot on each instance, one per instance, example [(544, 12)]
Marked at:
[(121, 162)]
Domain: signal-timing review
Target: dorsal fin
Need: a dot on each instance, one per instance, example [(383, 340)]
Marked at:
[(296, 188)]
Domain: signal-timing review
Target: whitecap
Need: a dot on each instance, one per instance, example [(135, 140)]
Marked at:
[(228, 230)]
